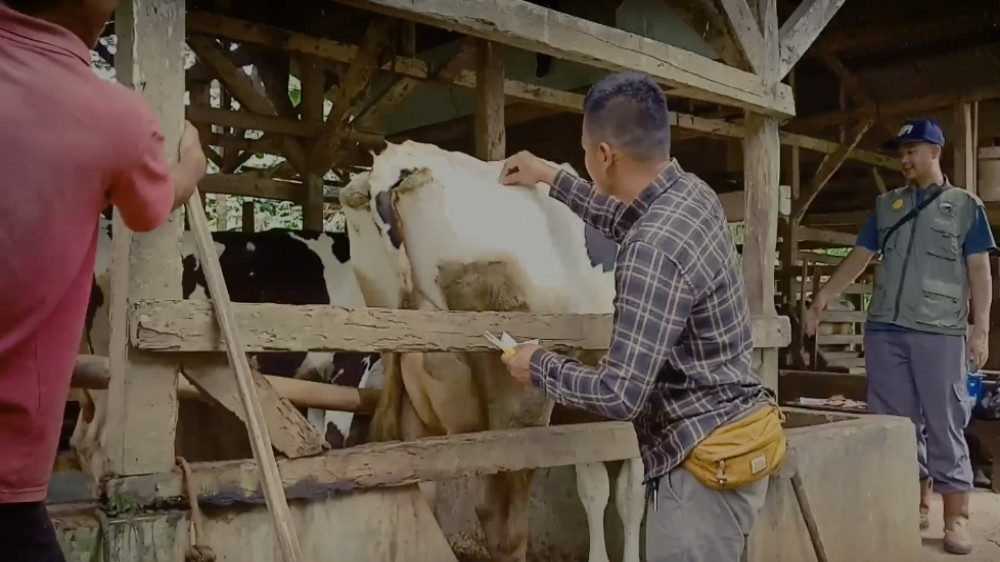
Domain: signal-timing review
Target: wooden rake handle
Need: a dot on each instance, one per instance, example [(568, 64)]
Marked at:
[(260, 440)]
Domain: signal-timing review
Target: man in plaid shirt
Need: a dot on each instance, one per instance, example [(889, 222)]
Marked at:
[(679, 362)]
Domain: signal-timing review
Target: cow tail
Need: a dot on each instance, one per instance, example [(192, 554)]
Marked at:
[(385, 425)]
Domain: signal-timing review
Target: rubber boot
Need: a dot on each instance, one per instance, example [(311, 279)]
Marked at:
[(956, 523), (925, 503)]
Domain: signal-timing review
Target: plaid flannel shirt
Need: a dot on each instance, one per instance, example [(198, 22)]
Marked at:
[(679, 363)]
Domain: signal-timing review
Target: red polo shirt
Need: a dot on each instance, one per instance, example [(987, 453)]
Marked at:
[(70, 143)]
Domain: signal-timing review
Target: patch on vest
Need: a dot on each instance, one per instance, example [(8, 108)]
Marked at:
[(897, 204)]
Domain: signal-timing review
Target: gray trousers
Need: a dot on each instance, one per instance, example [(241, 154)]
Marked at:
[(693, 523), (922, 376)]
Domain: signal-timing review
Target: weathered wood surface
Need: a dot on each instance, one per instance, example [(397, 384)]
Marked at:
[(188, 325), (802, 28), (395, 464), (142, 398), (91, 373), (531, 27), (244, 391), (491, 134), (829, 166), (298, 43)]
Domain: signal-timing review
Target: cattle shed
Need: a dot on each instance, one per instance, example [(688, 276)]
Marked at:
[(780, 105)]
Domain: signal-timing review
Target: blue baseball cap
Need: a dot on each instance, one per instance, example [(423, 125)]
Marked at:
[(916, 130)]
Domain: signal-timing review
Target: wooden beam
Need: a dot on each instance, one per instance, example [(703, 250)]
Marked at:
[(142, 397), (491, 136), (240, 86), (370, 115), (909, 106), (432, 459), (704, 17), (743, 25), (531, 27), (761, 172), (92, 372), (351, 92), (829, 166), (271, 124), (964, 151), (801, 30), (248, 186), (832, 237), (879, 182), (253, 33), (249, 219), (311, 106), (187, 325)]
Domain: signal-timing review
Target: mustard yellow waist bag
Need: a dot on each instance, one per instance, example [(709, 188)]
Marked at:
[(741, 452)]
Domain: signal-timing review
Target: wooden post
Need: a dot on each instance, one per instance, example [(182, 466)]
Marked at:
[(313, 99), (964, 174), (249, 220), (142, 396), (491, 137), (761, 167)]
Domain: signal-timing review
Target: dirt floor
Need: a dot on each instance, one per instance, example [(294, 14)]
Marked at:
[(985, 525)]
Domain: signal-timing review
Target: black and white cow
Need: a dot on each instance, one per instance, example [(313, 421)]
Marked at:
[(273, 266)]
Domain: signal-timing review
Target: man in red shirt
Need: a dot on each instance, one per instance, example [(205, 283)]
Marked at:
[(70, 145)]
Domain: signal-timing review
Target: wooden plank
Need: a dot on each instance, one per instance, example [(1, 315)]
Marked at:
[(839, 339), (298, 43), (291, 434), (92, 372), (188, 325), (802, 28), (394, 464), (831, 237), (843, 316), (237, 184), (829, 166), (271, 124), (531, 27), (241, 87), (142, 396), (852, 289), (744, 28), (491, 136)]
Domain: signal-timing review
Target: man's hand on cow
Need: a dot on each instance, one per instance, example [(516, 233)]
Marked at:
[(519, 364), (524, 168), (979, 346)]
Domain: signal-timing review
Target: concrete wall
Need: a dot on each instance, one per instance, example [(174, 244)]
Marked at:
[(860, 475)]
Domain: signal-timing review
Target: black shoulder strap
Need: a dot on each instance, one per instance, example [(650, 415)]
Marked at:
[(908, 217)]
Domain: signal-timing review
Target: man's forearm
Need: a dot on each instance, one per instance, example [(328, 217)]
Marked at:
[(847, 272)]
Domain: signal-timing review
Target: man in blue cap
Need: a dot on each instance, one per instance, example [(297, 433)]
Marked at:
[(934, 240)]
